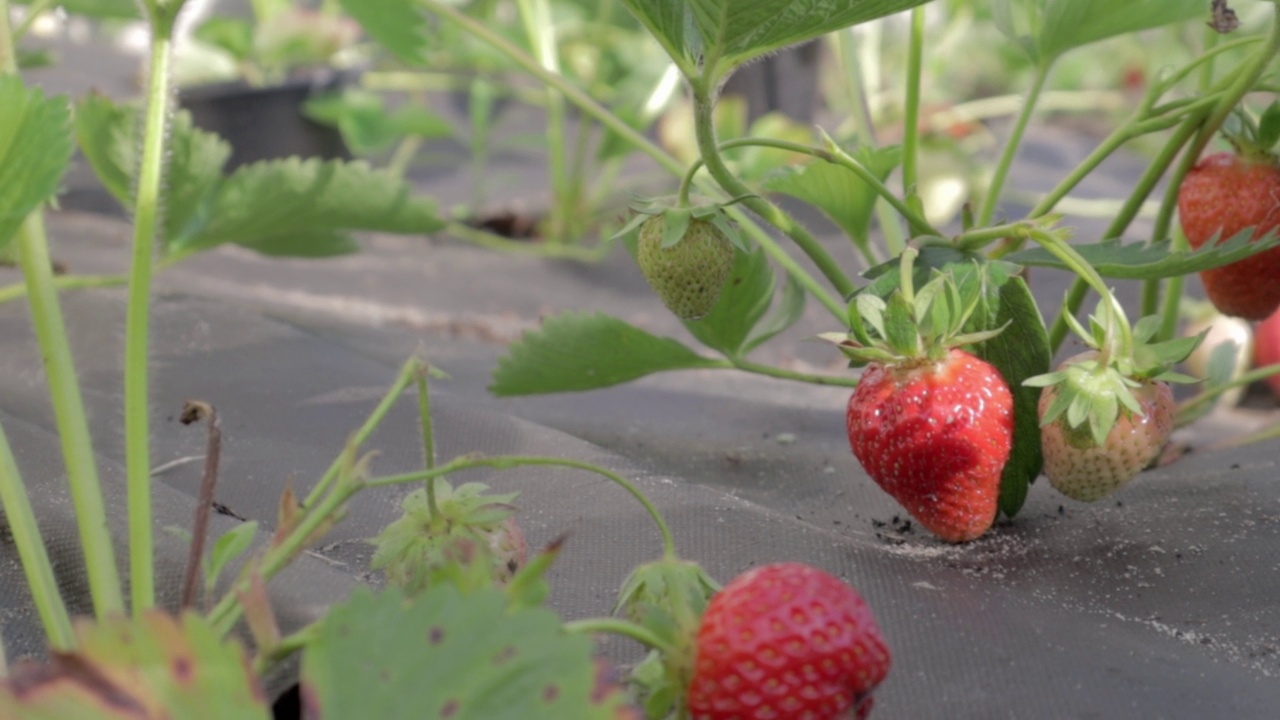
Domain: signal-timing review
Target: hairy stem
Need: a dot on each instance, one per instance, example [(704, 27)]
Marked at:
[(705, 129), (620, 627), (137, 394), (37, 567), (1003, 166)]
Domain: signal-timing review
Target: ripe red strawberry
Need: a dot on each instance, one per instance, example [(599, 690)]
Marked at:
[(690, 275), (1083, 469), (1224, 194), (936, 436), (1266, 348), (787, 642)]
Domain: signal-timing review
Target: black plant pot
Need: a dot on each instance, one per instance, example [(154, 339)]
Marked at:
[(266, 123)]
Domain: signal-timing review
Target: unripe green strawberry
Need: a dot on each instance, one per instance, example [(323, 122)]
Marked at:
[(1080, 467), (466, 529), (690, 275)]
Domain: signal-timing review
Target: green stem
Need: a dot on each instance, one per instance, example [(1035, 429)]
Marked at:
[(506, 462), (64, 391), (1186, 407), (65, 282), (776, 372), (288, 645), (623, 628), (1075, 298), (571, 92), (402, 156), (137, 398), (1118, 330), (835, 156), (911, 122), (408, 372), (228, 610), (541, 33), (428, 438), (706, 132), (1241, 86), (73, 425), (34, 11), (493, 241), (1005, 163), (589, 106), (860, 109), (25, 531)]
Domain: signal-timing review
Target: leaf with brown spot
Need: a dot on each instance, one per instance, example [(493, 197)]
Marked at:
[(449, 654), (146, 668)]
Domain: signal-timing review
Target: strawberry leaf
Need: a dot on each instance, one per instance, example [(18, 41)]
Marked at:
[(746, 298), (1047, 29), (398, 25), (450, 654), (1143, 261), (786, 314), (35, 151), (285, 207), (229, 546), (1020, 351), (138, 668), (835, 190), (578, 351)]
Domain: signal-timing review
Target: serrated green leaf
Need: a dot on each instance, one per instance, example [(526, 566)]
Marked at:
[(1070, 24), (138, 668), (1046, 29), (1021, 351), (1142, 261), (35, 151), (231, 545), (455, 655), (835, 190), (670, 24), (746, 298), (107, 134), (368, 126), (786, 314), (400, 26), (261, 205), (578, 351), (739, 30), (1269, 126), (234, 35)]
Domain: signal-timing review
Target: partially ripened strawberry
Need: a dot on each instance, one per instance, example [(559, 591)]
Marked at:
[(1223, 195), (688, 274), (1106, 413), (787, 642), (931, 424), (466, 528), (1084, 469)]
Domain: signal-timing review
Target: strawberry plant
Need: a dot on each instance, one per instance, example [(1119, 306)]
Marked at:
[(955, 411)]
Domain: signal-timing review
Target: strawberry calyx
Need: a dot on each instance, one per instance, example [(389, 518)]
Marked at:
[(677, 218), (1254, 141), (467, 526), (668, 597), (1095, 387), (911, 328)]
